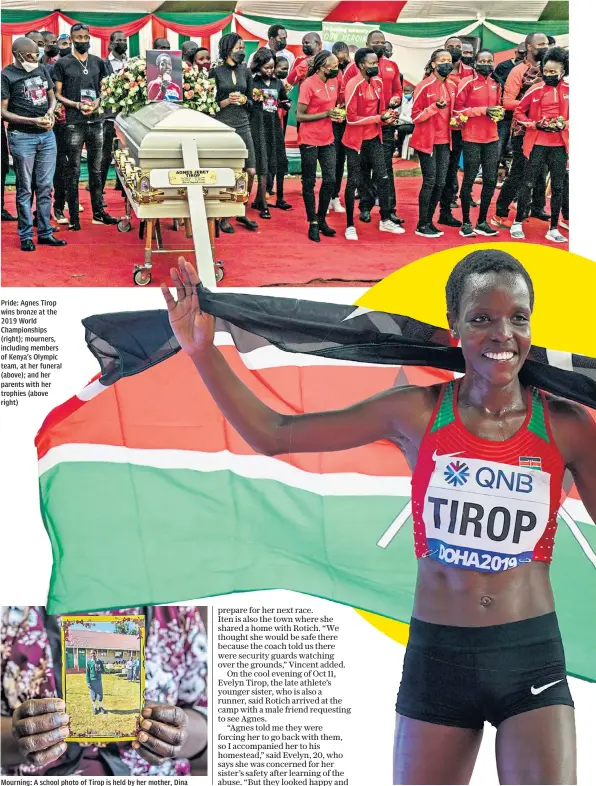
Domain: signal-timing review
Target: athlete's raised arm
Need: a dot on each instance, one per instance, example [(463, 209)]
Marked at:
[(393, 413)]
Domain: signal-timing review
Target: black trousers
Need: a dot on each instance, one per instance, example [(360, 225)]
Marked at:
[(361, 164), (451, 184), (61, 168), (402, 133), (565, 204), (309, 155), (434, 173), (511, 186), (109, 134), (340, 156), (504, 131), (75, 136), (554, 159), (5, 161), (478, 155), (388, 150)]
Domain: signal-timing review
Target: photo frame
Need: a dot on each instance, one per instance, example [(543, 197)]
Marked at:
[(103, 676), (164, 75)]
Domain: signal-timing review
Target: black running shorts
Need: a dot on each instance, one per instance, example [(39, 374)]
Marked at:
[(466, 676)]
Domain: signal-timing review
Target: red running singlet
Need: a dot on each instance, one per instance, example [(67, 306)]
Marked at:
[(486, 505)]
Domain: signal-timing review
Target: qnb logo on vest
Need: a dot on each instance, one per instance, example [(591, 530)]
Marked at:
[(484, 515)]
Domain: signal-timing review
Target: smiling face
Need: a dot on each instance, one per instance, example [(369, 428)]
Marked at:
[(493, 325), (165, 66)]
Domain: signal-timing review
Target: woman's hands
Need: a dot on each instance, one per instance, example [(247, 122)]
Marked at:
[(163, 732), (237, 99), (441, 103), (193, 329), (40, 727)]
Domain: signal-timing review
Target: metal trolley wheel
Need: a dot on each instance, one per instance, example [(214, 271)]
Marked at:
[(124, 225), (219, 271), (141, 276)]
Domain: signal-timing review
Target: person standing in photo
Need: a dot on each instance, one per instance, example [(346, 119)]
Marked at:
[(432, 107), (365, 114), (28, 103), (311, 46), (233, 81), (115, 62), (93, 673), (78, 77), (477, 109), (317, 100), (342, 52)]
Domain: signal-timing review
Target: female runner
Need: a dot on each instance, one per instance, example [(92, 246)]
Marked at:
[(488, 458), (233, 81)]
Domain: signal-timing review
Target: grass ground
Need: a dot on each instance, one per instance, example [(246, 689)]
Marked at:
[(121, 699)]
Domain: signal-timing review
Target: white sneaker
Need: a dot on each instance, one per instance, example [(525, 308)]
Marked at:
[(389, 226), (517, 232), (336, 205), (350, 233), (564, 224), (555, 236), (81, 208)]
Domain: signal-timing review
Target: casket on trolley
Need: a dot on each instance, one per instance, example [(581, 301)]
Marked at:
[(165, 152)]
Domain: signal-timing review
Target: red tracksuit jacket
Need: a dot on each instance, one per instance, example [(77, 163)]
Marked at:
[(389, 73), (363, 110), (474, 96), (530, 110), (429, 121)]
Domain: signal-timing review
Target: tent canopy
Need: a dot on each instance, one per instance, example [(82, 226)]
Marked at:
[(330, 10)]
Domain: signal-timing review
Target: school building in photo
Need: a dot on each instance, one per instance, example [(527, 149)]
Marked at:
[(110, 647)]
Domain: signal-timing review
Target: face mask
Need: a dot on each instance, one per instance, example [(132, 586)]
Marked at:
[(282, 74), (82, 47), (379, 49), (52, 50), (552, 81), (484, 69), (467, 60), (120, 49), (279, 45), (238, 57), (520, 57), (444, 69), (372, 71), (332, 73), (308, 49), (27, 65), (407, 96), (539, 53), (65, 51), (343, 66), (455, 54)]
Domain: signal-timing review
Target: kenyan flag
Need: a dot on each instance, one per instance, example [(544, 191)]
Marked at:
[(149, 496)]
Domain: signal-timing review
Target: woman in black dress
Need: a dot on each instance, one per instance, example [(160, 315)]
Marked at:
[(266, 129), (233, 81)]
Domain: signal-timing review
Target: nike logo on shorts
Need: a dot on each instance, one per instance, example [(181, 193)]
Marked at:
[(536, 691)]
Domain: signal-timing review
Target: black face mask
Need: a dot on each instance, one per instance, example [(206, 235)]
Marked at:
[(551, 81), (467, 60), (372, 71), (120, 49), (308, 49), (279, 45), (444, 69), (539, 53), (332, 73), (82, 47), (344, 65), (484, 69), (238, 57), (282, 74), (379, 49), (52, 50), (455, 54), (66, 50)]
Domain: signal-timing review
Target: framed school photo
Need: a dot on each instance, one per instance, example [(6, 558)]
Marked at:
[(103, 676)]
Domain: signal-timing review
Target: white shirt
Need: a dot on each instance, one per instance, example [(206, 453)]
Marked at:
[(118, 63)]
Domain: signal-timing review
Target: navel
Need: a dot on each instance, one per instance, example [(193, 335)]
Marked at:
[(485, 600)]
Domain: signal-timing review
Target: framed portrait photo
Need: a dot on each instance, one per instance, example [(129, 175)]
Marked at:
[(164, 75), (103, 676)]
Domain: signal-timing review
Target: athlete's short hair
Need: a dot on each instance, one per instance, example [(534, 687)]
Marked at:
[(362, 54), (489, 260), (556, 54)]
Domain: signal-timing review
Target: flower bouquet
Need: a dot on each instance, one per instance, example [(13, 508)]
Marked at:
[(459, 121), (338, 114), (496, 113), (552, 123), (126, 91), (258, 94)]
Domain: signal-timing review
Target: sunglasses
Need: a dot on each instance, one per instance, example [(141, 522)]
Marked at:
[(78, 26)]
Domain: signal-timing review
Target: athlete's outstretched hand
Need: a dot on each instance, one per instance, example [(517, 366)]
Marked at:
[(193, 329)]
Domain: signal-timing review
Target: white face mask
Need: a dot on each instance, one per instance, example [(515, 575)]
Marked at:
[(27, 65)]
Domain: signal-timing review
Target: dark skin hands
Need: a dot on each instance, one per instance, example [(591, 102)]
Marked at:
[(40, 727), (163, 733)]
